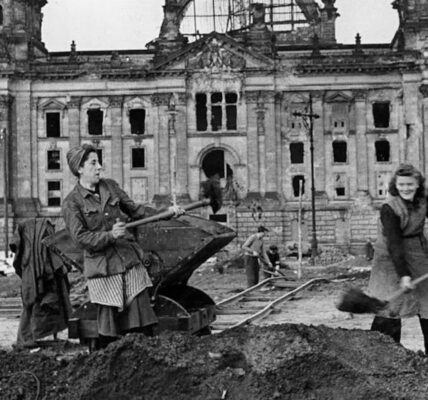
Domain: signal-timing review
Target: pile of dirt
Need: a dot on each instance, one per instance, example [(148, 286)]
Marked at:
[(256, 363)]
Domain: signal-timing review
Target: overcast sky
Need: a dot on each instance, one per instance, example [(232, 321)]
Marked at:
[(106, 25)]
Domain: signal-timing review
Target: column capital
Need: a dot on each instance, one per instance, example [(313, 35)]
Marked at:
[(116, 101), (74, 102)]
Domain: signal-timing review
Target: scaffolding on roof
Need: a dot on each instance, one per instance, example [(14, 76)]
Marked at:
[(203, 16)]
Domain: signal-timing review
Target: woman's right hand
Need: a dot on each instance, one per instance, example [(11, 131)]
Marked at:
[(118, 229), (406, 283)]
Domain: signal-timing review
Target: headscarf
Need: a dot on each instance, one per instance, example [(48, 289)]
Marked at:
[(76, 155)]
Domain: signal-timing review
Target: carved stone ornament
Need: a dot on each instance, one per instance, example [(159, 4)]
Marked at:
[(360, 94), (161, 99), (216, 58), (116, 101)]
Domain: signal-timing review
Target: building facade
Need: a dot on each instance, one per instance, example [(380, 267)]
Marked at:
[(220, 103)]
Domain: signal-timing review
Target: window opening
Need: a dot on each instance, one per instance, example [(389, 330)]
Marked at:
[(340, 185), (216, 111), (53, 126), (383, 150), (231, 111), (382, 182), (201, 112), (137, 119), (297, 153), (296, 180), (54, 193), (54, 160), (138, 158), (95, 122), (381, 115), (340, 151), (1, 15)]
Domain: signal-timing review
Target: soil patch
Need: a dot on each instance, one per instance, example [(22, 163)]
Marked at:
[(281, 361)]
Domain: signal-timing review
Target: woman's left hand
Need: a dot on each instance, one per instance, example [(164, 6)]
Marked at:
[(177, 210)]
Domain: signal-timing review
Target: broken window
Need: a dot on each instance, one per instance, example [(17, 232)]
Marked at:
[(297, 186), (340, 185), (138, 157), (54, 160), (201, 112), (231, 111), (382, 183), (100, 155), (297, 153), (218, 108), (54, 193), (340, 151), (53, 126), (137, 119), (383, 150), (95, 122), (381, 114)]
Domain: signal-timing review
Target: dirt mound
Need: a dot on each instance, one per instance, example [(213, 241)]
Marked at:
[(257, 363)]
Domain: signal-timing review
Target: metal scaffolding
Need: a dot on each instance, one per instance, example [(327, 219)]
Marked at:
[(204, 16)]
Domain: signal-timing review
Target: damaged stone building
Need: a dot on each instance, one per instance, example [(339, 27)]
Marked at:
[(215, 94)]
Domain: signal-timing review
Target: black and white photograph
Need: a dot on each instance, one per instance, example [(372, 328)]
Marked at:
[(213, 199)]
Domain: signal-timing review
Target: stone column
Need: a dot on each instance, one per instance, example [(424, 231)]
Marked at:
[(21, 163), (5, 123), (116, 104), (252, 142), (73, 108), (319, 146), (34, 159), (424, 91), (178, 126), (271, 143), (161, 146), (360, 97)]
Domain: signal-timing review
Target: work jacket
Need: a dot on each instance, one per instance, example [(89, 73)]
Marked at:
[(89, 219)]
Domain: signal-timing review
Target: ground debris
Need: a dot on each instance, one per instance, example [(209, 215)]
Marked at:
[(255, 363)]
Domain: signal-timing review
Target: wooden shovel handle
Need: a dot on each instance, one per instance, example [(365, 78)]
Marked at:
[(414, 282), (168, 214)]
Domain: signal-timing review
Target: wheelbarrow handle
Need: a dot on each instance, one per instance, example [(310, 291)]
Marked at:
[(168, 214)]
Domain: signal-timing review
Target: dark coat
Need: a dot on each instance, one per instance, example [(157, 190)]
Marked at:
[(89, 220)]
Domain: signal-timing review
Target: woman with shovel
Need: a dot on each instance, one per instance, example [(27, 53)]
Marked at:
[(401, 254), (95, 212)]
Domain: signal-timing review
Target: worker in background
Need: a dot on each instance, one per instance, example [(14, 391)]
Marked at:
[(255, 252), (95, 212)]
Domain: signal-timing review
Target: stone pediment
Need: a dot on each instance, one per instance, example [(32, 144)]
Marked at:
[(52, 104), (216, 53), (338, 97)]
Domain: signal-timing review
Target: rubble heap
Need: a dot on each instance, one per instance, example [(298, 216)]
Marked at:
[(255, 363)]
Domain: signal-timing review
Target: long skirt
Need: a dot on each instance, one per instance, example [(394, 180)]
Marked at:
[(384, 281), (138, 314)]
